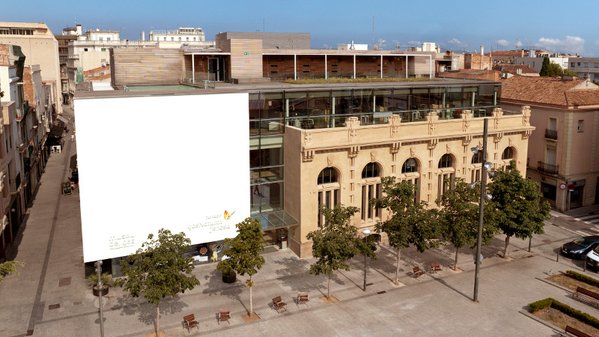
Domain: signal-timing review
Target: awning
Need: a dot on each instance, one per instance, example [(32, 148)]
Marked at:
[(275, 220)]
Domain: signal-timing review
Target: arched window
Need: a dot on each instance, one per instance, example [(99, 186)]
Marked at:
[(446, 161), (410, 173), (371, 170), (446, 177), (409, 166), (327, 176), (508, 153), (329, 191), (371, 189)]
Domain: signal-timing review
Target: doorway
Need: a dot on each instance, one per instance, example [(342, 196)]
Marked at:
[(216, 69)]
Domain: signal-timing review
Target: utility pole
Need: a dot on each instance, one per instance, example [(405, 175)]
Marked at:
[(481, 209)]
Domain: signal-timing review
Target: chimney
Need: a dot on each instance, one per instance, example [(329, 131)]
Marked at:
[(79, 29), (482, 50)]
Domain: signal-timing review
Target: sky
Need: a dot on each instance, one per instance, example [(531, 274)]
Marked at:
[(460, 25)]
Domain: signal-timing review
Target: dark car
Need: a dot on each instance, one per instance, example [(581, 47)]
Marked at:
[(579, 248)]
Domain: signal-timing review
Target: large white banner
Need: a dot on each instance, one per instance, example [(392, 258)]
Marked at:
[(175, 162)]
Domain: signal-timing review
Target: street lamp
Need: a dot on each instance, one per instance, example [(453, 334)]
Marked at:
[(366, 233), (100, 286), (483, 193)]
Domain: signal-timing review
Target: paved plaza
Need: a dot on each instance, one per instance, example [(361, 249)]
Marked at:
[(50, 297)]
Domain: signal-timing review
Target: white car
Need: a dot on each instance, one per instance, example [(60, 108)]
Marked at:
[(592, 259)]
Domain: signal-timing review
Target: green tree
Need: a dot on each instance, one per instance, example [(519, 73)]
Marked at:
[(159, 269), (243, 253), (409, 223), (569, 72), (460, 215), (334, 243), (545, 67), (517, 205), (9, 267)]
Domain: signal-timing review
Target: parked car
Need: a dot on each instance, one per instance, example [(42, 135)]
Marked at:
[(592, 259), (579, 248)]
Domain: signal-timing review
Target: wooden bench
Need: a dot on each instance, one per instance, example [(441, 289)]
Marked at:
[(593, 296), (570, 331), (224, 315), (435, 267), (189, 321), (302, 298), (417, 272), (278, 304)]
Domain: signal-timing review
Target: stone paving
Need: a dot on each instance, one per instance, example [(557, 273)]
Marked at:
[(49, 297)]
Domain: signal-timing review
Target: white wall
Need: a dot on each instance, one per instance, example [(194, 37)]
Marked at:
[(145, 163)]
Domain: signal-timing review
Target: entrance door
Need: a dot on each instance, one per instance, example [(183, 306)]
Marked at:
[(576, 197), (216, 69)]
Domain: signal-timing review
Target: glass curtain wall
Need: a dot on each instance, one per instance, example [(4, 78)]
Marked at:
[(266, 151)]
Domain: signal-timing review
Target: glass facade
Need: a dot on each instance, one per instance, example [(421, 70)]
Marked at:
[(272, 109)]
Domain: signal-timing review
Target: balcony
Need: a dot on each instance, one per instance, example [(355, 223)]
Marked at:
[(551, 134), (548, 168)]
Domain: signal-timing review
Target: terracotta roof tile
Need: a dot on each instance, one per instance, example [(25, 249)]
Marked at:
[(513, 69), (551, 91)]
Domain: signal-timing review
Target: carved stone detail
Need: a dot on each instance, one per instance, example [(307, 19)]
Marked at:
[(353, 151), (352, 124), (307, 155), (467, 140), (432, 143), (329, 161), (526, 115), (395, 122), (372, 156), (307, 138), (395, 147)]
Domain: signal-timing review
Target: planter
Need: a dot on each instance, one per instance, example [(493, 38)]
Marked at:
[(96, 291), (229, 277)]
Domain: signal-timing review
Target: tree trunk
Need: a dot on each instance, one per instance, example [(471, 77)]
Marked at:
[(397, 266), (455, 263), (157, 321), (251, 299), (329, 287), (507, 242)]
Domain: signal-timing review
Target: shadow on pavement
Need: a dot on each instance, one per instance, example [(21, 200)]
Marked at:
[(147, 312), (216, 287), (292, 269)]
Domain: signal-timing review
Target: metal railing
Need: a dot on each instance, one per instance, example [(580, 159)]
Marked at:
[(548, 168), (551, 134)]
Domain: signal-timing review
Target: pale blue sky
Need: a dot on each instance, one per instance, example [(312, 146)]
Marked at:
[(457, 25)]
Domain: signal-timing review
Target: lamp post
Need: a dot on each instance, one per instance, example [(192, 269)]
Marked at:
[(366, 233), (100, 286), (481, 210)]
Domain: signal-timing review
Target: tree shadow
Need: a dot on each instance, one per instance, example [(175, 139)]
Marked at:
[(146, 311), (216, 287), (294, 273)]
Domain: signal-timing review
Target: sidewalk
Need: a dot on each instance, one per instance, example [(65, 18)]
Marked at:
[(50, 296)]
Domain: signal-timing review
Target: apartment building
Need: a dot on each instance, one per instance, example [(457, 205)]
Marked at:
[(12, 201), (585, 67), (563, 154), (41, 48)]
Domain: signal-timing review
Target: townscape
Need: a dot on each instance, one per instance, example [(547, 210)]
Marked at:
[(249, 183)]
